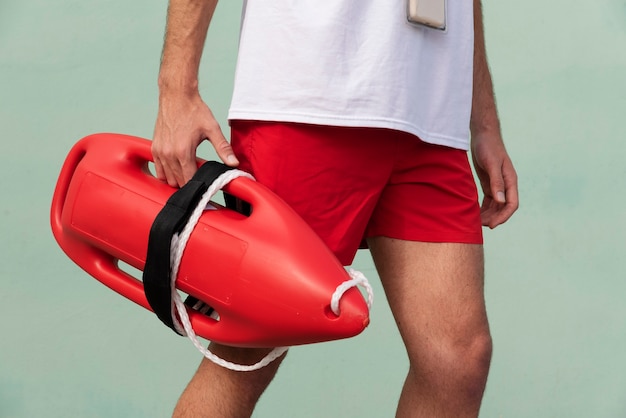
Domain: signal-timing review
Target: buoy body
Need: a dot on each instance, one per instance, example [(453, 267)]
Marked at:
[(268, 275)]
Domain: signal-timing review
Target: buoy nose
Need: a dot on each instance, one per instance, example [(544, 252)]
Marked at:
[(347, 304), (351, 313), (366, 322)]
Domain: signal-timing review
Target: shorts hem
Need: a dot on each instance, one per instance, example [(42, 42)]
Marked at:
[(436, 237)]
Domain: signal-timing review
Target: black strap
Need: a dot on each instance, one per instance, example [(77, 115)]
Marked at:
[(170, 220)]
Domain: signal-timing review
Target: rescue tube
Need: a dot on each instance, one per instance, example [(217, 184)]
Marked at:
[(266, 276)]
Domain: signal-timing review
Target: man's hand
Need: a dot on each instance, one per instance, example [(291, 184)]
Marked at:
[(183, 122), (497, 179), (491, 161)]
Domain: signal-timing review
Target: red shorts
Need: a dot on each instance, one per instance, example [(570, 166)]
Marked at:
[(354, 183)]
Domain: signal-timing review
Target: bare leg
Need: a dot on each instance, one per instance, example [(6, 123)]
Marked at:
[(436, 294), (220, 393)]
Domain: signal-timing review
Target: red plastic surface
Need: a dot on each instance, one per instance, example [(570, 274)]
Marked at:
[(269, 276)]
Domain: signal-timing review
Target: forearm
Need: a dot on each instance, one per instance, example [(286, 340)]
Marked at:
[(484, 116), (187, 26)]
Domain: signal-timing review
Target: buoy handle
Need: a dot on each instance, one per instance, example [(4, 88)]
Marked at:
[(94, 261)]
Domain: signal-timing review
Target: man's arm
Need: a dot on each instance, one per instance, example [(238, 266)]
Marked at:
[(491, 161), (183, 119)]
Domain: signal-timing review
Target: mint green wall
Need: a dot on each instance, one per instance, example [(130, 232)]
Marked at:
[(555, 274)]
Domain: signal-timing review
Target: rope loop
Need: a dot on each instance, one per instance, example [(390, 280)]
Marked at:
[(180, 316), (179, 242), (357, 278)]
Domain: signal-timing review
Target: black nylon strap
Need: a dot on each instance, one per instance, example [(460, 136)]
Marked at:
[(170, 220)]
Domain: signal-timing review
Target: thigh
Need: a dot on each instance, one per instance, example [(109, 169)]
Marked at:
[(435, 291)]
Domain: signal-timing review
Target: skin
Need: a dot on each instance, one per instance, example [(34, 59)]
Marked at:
[(492, 163), (435, 290), (183, 119)]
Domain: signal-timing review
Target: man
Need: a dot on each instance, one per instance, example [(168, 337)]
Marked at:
[(360, 121)]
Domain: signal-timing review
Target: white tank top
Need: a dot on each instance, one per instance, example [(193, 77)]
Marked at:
[(356, 63)]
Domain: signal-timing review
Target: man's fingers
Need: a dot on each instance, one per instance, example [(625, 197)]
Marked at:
[(512, 199), (174, 164), (494, 213), (226, 154), (158, 168), (173, 175), (510, 182), (489, 212), (223, 148), (496, 185), (188, 168), (181, 127)]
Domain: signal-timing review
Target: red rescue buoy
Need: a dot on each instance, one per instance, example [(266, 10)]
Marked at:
[(268, 276)]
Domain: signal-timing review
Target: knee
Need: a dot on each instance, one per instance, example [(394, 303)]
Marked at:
[(475, 359), (456, 366)]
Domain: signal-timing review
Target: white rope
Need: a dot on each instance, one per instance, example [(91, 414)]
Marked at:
[(358, 278), (179, 241), (178, 244)]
